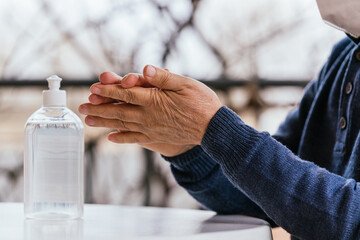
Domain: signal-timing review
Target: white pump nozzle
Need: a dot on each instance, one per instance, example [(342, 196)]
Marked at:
[(54, 97), (54, 82)]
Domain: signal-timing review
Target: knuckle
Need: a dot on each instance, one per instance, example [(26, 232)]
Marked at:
[(128, 95), (119, 114), (110, 91), (123, 126), (113, 91), (164, 78), (152, 95), (155, 97)]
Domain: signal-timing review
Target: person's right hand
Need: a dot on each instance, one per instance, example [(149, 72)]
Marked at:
[(129, 81)]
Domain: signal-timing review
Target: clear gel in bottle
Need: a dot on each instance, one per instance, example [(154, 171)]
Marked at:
[(53, 159)]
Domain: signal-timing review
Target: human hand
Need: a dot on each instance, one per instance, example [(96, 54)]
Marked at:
[(176, 111), (129, 81)]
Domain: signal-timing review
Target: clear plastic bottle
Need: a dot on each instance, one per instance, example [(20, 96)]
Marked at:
[(53, 159)]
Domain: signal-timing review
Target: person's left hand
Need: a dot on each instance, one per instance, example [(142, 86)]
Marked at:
[(176, 111)]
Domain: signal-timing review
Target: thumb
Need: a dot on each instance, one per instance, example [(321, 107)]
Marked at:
[(163, 79)]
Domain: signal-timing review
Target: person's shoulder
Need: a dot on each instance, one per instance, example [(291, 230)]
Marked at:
[(343, 43), (337, 56), (340, 50)]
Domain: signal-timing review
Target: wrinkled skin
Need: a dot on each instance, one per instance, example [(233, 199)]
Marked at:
[(159, 110)]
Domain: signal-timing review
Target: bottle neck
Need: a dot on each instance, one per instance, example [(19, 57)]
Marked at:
[(54, 98)]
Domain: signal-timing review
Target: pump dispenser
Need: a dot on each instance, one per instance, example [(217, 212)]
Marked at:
[(53, 159), (54, 96)]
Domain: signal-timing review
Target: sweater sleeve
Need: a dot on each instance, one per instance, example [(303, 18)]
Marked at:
[(204, 180), (306, 200)]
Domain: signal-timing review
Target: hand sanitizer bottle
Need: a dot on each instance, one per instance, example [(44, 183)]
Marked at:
[(53, 159)]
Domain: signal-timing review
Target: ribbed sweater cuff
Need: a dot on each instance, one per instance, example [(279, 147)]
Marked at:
[(228, 136), (195, 161)]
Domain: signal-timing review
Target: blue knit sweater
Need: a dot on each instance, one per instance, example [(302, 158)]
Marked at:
[(304, 178)]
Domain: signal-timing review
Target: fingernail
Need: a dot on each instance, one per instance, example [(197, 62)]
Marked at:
[(83, 110), (150, 71), (111, 138), (89, 121), (96, 90), (124, 78)]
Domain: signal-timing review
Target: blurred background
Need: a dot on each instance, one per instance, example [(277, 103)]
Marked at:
[(256, 54)]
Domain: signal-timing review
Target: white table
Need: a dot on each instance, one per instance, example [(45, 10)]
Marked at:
[(109, 222)]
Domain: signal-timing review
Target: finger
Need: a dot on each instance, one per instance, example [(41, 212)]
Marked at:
[(109, 78), (128, 137), (96, 99), (136, 95), (120, 111), (133, 79), (163, 79), (112, 124)]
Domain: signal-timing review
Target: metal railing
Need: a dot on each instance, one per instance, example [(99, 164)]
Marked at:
[(221, 84)]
